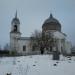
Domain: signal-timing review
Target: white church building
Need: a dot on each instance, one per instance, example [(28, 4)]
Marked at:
[(50, 26)]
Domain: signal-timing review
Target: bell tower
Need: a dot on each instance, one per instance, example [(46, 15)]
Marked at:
[(15, 32)]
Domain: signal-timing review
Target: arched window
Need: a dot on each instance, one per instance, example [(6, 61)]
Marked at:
[(15, 28), (24, 48)]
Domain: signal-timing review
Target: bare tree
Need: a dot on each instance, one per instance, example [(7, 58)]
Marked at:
[(41, 40), (36, 38)]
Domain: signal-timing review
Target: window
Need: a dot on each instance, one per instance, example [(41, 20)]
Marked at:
[(15, 28), (51, 48), (24, 48)]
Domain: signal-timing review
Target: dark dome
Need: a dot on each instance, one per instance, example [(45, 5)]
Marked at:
[(51, 24), (15, 20), (51, 19)]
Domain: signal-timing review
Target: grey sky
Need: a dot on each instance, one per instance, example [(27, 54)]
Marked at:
[(32, 14)]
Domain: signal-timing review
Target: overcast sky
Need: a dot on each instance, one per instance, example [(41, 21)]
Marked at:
[(32, 14)]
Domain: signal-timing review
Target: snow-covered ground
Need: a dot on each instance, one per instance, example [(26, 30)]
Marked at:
[(37, 65)]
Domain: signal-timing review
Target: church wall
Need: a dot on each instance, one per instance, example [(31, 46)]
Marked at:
[(68, 47), (14, 40), (60, 41), (24, 43)]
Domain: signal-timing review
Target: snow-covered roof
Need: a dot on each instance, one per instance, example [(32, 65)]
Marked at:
[(24, 38), (59, 35)]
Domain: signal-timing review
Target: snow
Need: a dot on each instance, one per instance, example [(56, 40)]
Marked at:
[(37, 65), (59, 35)]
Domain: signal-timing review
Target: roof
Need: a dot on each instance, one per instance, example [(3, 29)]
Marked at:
[(51, 19), (16, 19), (24, 38), (59, 35)]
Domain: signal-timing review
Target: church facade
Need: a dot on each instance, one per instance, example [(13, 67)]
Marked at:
[(51, 26)]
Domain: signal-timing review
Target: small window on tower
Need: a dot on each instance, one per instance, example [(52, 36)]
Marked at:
[(15, 28), (24, 48)]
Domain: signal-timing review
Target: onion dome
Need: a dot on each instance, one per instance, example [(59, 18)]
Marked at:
[(15, 20), (51, 24)]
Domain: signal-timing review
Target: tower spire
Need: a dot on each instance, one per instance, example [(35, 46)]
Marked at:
[(16, 14)]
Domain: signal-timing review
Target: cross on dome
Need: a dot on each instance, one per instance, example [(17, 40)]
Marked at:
[(51, 16)]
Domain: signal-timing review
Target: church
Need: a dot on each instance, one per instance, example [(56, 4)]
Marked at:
[(51, 26)]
